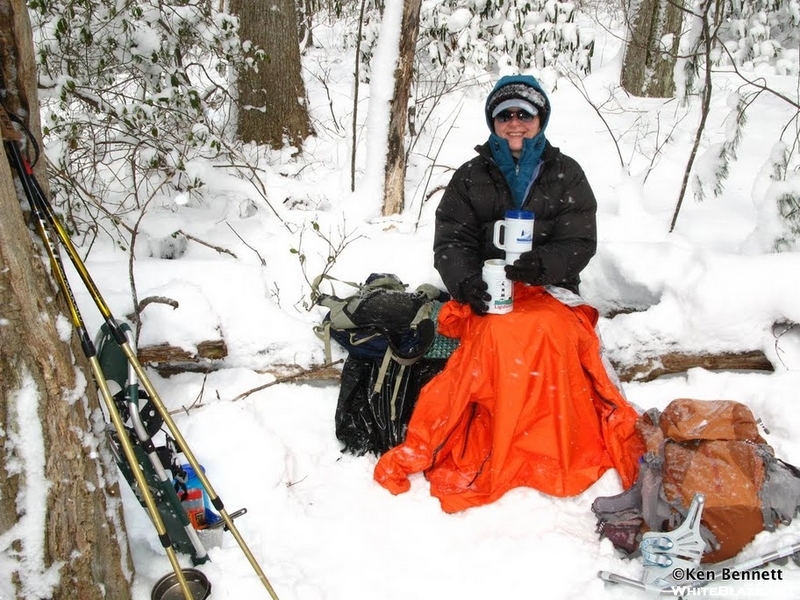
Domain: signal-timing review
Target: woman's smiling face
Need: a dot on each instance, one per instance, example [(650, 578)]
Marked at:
[(509, 126)]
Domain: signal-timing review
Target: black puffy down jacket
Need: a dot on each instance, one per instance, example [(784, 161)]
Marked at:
[(564, 233)]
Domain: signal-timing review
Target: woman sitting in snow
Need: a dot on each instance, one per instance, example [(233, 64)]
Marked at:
[(525, 400)]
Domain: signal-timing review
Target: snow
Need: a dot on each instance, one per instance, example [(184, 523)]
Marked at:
[(459, 20), (317, 523), (26, 445)]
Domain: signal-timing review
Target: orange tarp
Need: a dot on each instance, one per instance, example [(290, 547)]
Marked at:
[(525, 400)]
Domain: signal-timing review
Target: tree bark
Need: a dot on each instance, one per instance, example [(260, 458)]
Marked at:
[(652, 50), (164, 353), (272, 107), (672, 363), (59, 502), (394, 183)]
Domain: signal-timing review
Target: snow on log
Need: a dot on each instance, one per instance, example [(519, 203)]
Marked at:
[(169, 360)]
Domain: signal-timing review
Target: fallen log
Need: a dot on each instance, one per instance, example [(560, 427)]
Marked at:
[(673, 363), (164, 353), (170, 360)]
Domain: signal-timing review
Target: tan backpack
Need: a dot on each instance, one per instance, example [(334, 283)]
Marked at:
[(709, 447)]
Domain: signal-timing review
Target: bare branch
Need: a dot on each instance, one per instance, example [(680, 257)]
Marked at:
[(263, 262), (582, 90), (206, 244), (758, 85), (288, 378)]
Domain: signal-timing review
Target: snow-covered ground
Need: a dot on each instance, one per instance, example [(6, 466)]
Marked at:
[(318, 524)]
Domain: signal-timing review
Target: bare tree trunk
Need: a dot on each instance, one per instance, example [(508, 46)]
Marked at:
[(272, 106), (652, 50), (394, 183), (59, 505), (305, 22)]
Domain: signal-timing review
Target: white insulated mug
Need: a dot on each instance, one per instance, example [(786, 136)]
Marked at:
[(501, 289), (517, 233)]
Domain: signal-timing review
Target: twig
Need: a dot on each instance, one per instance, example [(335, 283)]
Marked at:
[(705, 109), (434, 191), (286, 379), (584, 92), (779, 330), (244, 166), (206, 244), (157, 300), (356, 81), (198, 402), (334, 251), (137, 309), (433, 164), (759, 86), (263, 262)]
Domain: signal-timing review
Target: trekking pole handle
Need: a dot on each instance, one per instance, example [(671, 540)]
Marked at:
[(37, 197)]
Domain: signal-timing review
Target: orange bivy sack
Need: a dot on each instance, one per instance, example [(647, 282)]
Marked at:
[(525, 400)]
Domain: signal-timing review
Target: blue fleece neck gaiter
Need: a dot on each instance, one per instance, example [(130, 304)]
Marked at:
[(519, 173)]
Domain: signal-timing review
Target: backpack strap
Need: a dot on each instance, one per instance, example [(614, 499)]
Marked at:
[(395, 391), (323, 332), (426, 331), (316, 295), (655, 507), (334, 304), (387, 358), (398, 380)]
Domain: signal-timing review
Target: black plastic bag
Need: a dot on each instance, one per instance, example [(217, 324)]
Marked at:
[(369, 421)]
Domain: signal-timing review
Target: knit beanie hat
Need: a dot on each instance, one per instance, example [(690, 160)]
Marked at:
[(517, 91)]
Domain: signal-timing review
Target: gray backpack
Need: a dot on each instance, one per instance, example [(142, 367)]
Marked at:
[(380, 317)]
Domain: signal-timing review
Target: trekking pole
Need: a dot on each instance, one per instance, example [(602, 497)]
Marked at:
[(121, 339), (20, 165)]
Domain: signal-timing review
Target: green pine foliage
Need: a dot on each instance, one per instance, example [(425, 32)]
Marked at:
[(760, 32), (789, 209), (787, 200), (488, 35), (465, 39), (131, 92)]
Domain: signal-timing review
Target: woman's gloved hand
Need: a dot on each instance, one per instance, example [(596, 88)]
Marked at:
[(527, 268), (474, 292)]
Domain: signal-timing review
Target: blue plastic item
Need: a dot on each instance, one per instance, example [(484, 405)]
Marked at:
[(207, 517)]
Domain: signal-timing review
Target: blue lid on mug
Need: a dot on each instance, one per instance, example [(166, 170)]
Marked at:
[(525, 215)]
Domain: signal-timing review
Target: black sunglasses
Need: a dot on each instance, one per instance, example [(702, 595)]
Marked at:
[(506, 115)]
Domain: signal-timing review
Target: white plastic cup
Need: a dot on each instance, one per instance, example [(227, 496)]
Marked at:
[(516, 232), (501, 288)]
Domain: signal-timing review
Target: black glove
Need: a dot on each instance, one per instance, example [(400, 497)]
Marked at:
[(473, 292), (527, 268)]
